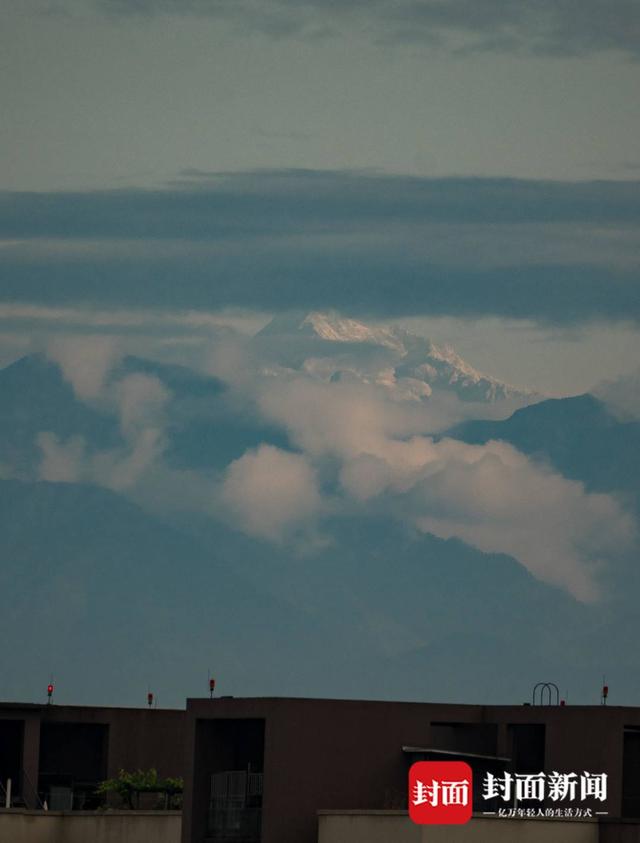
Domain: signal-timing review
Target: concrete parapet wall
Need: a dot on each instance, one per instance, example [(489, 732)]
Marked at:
[(17, 826), (396, 827)]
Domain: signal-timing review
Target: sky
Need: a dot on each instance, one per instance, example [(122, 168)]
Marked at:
[(469, 166), (110, 93), (176, 173)]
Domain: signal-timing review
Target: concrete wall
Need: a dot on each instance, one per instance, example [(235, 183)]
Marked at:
[(79, 827), (396, 827)]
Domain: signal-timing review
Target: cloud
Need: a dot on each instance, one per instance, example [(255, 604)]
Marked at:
[(622, 396), (85, 362), (118, 469), (358, 451), (142, 405), (138, 400), (62, 462), (88, 341), (363, 243), (213, 207), (495, 499), (490, 496), (61, 319), (271, 492), (340, 419), (141, 400), (121, 470), (547, 27)]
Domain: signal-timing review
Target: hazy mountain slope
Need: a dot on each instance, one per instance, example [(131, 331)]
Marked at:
[(102, 595), (111, 598), (578, 436), (417, 617), (203, 430), (34, 397)]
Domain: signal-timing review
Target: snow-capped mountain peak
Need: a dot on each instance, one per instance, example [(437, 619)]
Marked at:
[(335, 328), (329, 346)]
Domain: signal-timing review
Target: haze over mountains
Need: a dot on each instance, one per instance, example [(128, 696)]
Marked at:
[(325, 509)]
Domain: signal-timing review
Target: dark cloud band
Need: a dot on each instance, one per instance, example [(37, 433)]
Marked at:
[(546, 27), (358, 242), (214, 206)]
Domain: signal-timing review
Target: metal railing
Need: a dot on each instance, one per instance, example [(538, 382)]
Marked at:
[(30, 794), (235, 806), (20, 792)]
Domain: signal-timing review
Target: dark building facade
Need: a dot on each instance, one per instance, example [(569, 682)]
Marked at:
[(58, 754), (258, 770)]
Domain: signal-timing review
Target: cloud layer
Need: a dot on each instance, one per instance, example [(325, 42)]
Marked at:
[(137, 400), (491, 496), (547, 27), (354, 448), (385, 245), (622, 396)]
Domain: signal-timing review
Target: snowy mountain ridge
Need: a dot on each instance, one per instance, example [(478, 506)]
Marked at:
[(333, 347)]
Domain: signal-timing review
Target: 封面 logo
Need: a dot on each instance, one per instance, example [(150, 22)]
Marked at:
[(440, 792)]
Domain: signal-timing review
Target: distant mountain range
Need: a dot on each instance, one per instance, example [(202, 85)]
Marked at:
[(579, 436), (113, 598)]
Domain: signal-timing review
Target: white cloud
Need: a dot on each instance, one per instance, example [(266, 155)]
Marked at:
[(271, 492), (622, 396), (338, 418), (490, 496), (138, 400), (59, 320), (497, 500), (122, 469), (85, 362), (378, 450), (141, 400)]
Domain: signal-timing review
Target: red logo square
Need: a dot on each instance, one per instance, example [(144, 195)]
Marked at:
[(440, 792)]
